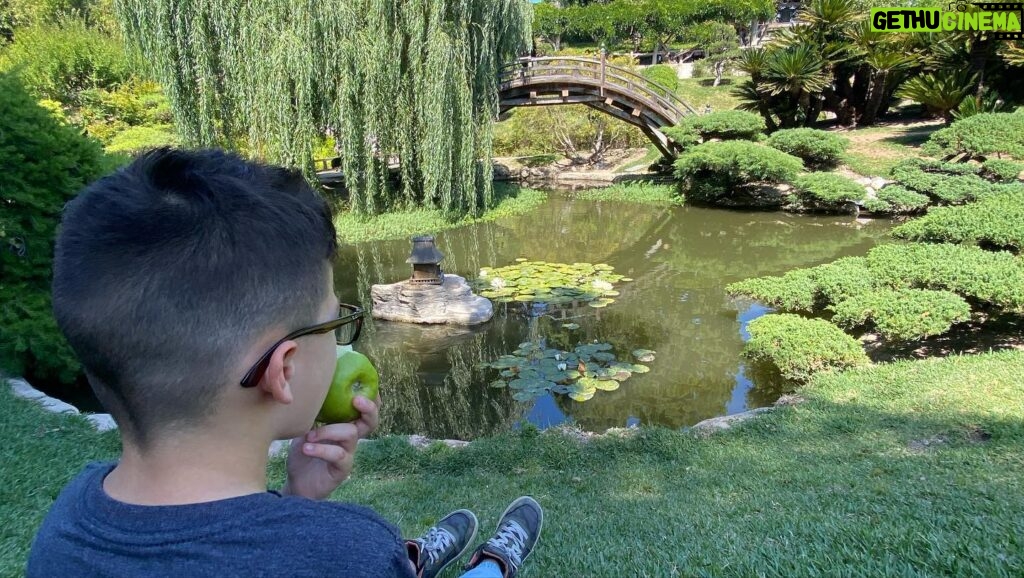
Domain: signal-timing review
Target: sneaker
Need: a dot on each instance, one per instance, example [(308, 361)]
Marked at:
[(518, 532), (442, 543)]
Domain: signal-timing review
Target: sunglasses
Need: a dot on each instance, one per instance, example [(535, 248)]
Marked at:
[(346, 330)]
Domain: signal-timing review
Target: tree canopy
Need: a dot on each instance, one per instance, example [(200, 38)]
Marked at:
[(411, 82)]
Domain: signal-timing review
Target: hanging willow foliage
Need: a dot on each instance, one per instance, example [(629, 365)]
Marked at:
[(407, 81)]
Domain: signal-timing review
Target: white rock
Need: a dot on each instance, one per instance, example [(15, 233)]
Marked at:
[(22, 389), (452, 302), (864, 181), (55, 405), (102, 421), (878, 182), (870, 193)]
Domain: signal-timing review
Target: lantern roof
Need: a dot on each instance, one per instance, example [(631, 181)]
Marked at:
[(424, 252)]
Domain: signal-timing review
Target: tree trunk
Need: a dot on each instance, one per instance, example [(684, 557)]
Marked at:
[(657, 45), (558, 43), (719, 70), (875, 95)]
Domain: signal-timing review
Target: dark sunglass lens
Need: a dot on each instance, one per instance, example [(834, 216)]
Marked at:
[(346, 333)]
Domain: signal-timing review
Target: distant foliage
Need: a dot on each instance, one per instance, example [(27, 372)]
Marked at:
[(721, 125), (996, 221), (714, 169), (61, 62), (46, 162), (801, 347), (980, 136), (818, 148), (663, 74), (1003, 170), (827, 191), (903, 314)]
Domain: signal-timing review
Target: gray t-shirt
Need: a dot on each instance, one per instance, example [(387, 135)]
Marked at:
[(88, 533)]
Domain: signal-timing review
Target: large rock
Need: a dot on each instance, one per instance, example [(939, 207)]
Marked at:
[(451, 302)]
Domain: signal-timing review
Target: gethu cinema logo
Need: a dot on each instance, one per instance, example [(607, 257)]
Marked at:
[(1002, 18)]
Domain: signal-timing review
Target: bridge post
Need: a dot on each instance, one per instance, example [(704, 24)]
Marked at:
[(604, 54)]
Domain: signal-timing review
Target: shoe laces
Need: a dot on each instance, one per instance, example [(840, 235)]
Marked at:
[(435, 542), (511, 538)]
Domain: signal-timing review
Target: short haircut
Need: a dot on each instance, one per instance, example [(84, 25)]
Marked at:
[(167, 271)]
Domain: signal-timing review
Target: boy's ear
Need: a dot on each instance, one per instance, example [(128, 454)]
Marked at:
[(276, 380)]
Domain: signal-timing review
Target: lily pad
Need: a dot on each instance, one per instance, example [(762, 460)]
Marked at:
[(644, 355)]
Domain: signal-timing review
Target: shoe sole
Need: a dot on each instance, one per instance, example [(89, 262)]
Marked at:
[(469, 542), (518, 502)]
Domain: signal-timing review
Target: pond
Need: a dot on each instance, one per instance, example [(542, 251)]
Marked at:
[(679, 259)]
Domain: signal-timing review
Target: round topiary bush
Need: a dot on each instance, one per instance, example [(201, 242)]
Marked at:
[(818, 148), (715, 169), (827, 191), (662, 74), (903, 314), (801, 347)]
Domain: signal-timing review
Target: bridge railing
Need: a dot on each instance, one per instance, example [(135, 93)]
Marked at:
[(524, 70)]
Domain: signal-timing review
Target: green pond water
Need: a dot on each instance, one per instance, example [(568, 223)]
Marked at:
[(680, 260)]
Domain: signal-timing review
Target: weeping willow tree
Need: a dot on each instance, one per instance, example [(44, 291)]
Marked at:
[(406, 81)]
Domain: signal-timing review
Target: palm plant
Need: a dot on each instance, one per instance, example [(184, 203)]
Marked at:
[(940, 93)]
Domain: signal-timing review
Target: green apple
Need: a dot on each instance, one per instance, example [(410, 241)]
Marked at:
[(353, 375)]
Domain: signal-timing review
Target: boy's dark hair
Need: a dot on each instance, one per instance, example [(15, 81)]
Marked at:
[(167, 270)]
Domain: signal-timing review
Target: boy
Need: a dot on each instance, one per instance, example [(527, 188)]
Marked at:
[(197, 290)]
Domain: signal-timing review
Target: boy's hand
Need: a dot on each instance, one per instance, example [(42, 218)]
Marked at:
[(322, 459)]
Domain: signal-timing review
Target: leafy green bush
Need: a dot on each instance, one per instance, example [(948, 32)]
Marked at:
[(809, 289), (59, 63), (903, 314), (818, 148), (662, 74), (877, 206), (902, 200), (721, 125), (992, 278), (827, 191), (1003, 170), (949, 183), (714, 169), (962, 188), (996, 221), (45, 164), (979, 136), (136, 139), (800, 347)]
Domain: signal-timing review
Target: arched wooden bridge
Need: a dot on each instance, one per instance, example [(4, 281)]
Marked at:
[(557, 80), (613, 90)]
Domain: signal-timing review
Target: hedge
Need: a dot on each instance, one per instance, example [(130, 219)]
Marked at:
[(817, 148), (902, 200), (994, 278), (996, 221), (827, 190), (981, 135), (801, 347), (722, 125), (809, 289), (1003, 170), (950, 183), (715, 168), (903, 314), (662, 74)]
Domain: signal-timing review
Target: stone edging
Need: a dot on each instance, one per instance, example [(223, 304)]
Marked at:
[(104, 422)]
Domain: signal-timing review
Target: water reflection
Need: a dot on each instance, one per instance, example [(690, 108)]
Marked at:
[(680, 259)]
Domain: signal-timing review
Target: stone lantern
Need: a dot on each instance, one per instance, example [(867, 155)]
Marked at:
[(426, 262)]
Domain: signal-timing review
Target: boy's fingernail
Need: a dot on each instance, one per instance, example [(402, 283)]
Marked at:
[(309, 448)]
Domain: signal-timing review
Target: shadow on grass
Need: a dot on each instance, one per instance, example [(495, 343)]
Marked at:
[(913, 137)]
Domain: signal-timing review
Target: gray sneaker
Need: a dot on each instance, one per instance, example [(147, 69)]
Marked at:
[(517, 534), (442, 543)]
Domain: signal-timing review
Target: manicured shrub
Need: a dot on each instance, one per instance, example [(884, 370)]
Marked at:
[(903, 314), (827, 191), (917, 179), (45, 163), (981, 135), (877, 206), (136, 139), (800, 347), (996, 221), (949, 183), (809, 289), (961, 189), (989, 277), (662, 74), (714, 169), (722, 125), (817, 148), (796, 290), (901, 199), (1003, 170)]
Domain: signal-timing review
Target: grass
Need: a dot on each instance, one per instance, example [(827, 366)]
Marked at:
[(909, 469), (875, 150), (698, 92), (645, 193), (354, 228)]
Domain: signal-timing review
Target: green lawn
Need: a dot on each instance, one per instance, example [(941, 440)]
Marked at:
[(352, 228), (698, 92), (875, 150), (910, 469)]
